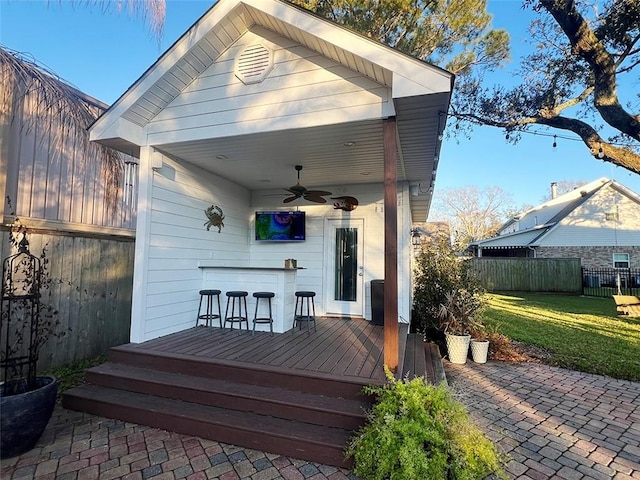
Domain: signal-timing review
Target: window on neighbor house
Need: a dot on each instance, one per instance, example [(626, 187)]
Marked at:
[(621, 260)]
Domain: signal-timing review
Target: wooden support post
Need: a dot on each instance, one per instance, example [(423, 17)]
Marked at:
[(390, 245)]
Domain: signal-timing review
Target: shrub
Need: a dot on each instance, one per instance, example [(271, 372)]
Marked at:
[(438, 271), (461, 313), (418, 431)]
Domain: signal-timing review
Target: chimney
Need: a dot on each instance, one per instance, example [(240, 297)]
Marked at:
[(554, 190)]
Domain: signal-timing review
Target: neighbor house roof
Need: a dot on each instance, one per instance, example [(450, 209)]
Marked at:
[(532, 226)]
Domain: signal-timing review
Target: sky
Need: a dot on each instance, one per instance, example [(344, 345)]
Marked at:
[(104, 53)]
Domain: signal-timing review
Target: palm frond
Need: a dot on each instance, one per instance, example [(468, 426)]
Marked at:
[(51, 98), (151, 12)]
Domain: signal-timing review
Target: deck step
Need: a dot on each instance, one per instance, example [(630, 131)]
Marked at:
[(415, 362), (433, 351), (254, 374), (307, 407), (246, 429)]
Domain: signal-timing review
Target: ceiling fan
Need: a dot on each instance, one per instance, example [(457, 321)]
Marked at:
[(299, 191)]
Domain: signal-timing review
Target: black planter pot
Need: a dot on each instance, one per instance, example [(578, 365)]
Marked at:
[(23, 417)]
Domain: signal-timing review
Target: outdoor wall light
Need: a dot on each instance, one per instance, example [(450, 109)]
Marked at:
[(415, 237)]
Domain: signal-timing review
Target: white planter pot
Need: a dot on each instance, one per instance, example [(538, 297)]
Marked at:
[(479, 350), (458, 347)]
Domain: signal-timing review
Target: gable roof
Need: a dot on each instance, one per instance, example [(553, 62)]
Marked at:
[(227, 20), (529, 228), (420, 95)]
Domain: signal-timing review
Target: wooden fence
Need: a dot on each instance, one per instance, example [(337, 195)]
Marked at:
[(91, 285), (562, 275)]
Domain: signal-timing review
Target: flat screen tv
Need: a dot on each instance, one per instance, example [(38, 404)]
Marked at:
[(280, 226)]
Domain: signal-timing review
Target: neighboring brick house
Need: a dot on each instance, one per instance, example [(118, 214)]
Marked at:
[(598, 223)]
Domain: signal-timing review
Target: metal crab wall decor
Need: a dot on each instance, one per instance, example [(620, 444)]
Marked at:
[(215, 216)]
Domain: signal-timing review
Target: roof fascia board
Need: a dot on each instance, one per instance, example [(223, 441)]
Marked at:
[(438, 80), (513, 234), (122, 129), (157, 70), (625, 191)]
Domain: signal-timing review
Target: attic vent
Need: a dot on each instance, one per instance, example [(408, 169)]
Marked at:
[(612, 216), (253, 64)]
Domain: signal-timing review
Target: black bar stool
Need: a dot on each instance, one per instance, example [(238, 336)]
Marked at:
[(302, 298), (267, 296), (209, 316), (236, 298)]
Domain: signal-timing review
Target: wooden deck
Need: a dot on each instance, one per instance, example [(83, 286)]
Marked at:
[(296, 393), (341, 347)]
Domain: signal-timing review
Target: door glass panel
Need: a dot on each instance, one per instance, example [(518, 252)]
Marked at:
[(346, 262)]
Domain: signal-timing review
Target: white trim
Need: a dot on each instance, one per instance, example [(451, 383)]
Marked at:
[(360, 223), (411, 77), (613, 257), (140, 270), (429, 77)]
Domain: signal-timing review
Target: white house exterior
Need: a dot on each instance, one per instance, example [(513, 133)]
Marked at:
[(598, 223), (254, 88)]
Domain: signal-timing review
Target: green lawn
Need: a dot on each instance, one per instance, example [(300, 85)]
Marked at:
[(580, 333)]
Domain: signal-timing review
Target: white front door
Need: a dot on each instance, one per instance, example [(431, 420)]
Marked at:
[(345, 267)]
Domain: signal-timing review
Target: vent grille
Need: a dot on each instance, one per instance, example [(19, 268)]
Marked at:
[(253, 64)]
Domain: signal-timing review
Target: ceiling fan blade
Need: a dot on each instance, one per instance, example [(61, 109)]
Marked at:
[(315, 199), (296, 190), (290, 199), (318, 193)]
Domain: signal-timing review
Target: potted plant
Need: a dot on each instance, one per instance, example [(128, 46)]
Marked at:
[(479, 344), (26, 400), (459, 316)]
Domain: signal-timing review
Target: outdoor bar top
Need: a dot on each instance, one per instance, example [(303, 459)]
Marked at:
[(279, 280)]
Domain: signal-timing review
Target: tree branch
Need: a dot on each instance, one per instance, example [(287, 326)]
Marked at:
[(574, 101), (587, 46), (600, 148)]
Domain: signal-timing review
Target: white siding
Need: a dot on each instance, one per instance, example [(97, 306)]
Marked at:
[(178, 240), (588, 226), (293, 94), (312, 256)]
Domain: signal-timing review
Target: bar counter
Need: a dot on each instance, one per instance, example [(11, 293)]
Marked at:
[(279, 280)]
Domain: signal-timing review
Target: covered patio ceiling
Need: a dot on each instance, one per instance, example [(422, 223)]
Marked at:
[(339, 154)]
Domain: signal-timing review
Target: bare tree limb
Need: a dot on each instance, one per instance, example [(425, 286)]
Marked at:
[(587, 46)]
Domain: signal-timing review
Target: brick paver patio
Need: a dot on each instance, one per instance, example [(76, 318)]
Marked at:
[(79, 446), (553, 423)]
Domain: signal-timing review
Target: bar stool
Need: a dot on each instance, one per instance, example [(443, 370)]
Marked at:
[(267, 296), (233, 298), (303, 297), (209, 316)]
